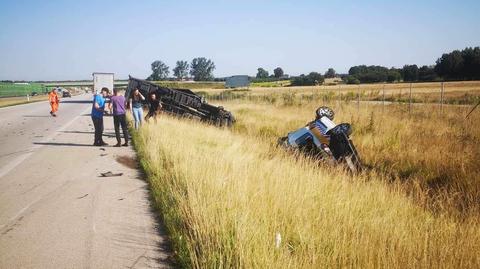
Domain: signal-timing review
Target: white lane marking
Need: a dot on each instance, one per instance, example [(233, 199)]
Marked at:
[(17, 161)]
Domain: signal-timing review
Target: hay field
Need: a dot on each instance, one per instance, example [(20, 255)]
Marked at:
[(231, 198)]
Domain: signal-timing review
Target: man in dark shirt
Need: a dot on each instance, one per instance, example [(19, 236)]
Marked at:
[(155, 106), (118, 104)]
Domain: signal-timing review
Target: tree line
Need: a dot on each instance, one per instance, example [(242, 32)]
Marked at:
[(456, 65), (201, 69), (313, 78), (263, 75)]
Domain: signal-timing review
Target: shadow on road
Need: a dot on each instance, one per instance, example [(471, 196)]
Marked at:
[(62, 144), (107, 134)]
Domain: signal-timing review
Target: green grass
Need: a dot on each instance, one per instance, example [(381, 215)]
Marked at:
[(11, 89)]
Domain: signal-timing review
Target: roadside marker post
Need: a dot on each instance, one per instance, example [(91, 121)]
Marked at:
[(410, 100), (358, 99), (441, 97), (383, 98)]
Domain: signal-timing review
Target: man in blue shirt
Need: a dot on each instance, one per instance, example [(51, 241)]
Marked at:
[(98, 107)]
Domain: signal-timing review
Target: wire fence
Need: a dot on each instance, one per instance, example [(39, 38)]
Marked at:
[(439, 94)]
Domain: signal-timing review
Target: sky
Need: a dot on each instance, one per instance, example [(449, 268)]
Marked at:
[(68, 40)]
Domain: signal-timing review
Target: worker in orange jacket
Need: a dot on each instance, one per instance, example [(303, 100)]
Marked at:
[(54, 100)]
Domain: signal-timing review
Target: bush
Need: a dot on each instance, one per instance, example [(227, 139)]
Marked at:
[(351, 80), (311, 79)]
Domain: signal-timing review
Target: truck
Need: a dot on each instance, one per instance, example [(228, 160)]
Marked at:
[(181, 102), (102, 80)]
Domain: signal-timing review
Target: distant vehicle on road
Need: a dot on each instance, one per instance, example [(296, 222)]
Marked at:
[(34, 94), (66, 94)]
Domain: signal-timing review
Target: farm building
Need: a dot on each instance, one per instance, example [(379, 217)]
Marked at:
[(237, 81)]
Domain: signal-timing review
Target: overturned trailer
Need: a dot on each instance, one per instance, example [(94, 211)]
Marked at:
[(181, 102)]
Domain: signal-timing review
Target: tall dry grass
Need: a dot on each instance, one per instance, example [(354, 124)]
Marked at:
[(225, 194), (433, 153)]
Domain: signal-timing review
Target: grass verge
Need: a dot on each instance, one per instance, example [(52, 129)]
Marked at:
[(226, 198)]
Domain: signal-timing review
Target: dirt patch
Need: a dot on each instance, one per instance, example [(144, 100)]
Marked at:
[(127, 161)]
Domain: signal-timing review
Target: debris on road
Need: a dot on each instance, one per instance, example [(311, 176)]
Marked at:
[(110, 174), (82, 196)]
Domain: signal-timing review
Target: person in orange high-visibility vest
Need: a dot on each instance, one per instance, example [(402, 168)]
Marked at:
[(53, 99)]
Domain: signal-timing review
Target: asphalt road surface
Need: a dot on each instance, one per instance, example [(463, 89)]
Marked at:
[(55, 209)]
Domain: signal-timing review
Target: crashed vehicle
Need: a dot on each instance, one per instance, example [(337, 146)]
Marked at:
[(325, 140), (182, 102)]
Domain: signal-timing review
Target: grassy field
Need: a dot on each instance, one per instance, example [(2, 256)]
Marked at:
[(227, 196), (467, 92), (12, 101), (11, 89)]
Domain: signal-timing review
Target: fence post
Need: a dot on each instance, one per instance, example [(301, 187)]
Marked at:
[(28, 98), (358, 98), (383, 97), (441, 98), (400, 96), (410, 100)]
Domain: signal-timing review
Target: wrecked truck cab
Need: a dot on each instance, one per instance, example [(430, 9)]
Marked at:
[(182, 102)]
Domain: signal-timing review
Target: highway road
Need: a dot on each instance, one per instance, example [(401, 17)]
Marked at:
[(55, 209)]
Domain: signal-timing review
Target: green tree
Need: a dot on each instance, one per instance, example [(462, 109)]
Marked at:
[(458, 65), (393, 75), (351, 80), (181, 70), (450, 65), (311, 79), (262, 73), (202, 69), (159, 71), (369, 74), (278, 72), (331, 73), (427, 73), (471, 63), (410, 72)]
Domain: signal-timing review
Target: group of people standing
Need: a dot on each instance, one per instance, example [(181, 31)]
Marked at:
[(119, 104)]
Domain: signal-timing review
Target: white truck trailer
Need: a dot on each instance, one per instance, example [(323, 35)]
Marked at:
[(101, 80)]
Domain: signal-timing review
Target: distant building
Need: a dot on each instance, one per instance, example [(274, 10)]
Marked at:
[(237, 81)]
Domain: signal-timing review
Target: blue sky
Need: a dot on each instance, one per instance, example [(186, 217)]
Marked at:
[(60, 40)]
